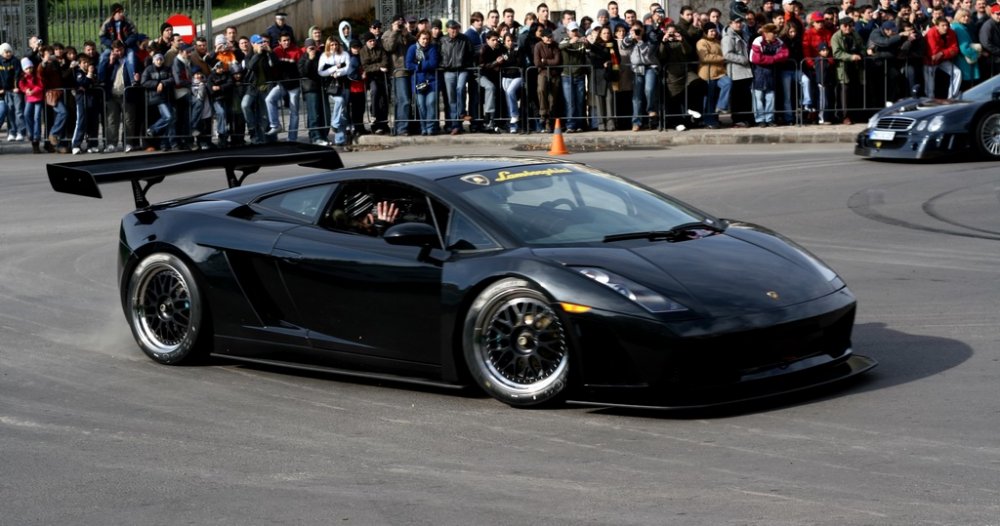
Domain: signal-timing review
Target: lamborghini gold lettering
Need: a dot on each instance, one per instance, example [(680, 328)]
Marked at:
[(548, 172)]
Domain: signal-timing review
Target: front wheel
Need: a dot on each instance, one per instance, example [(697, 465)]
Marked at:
[(165, 310), (515, 344), (987, 136)]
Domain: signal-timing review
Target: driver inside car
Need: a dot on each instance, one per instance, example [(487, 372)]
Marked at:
[(361, 214)]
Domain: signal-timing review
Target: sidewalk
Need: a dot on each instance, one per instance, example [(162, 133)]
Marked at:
[(590, 141)]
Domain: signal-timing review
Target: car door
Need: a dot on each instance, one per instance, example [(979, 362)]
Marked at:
[(357, 293)]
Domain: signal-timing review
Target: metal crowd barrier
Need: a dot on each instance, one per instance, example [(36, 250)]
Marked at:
[(882, 81)]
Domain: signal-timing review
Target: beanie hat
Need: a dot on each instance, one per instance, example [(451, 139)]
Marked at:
[(220, 40), (26, 63), (5, 47), (164, 26)]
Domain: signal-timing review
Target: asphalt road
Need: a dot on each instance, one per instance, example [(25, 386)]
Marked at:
[(92, 432)]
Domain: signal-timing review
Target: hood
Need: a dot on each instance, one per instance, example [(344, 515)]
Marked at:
[(922, 108), (718, 275)]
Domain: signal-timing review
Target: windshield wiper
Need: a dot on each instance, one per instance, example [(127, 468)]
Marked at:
[(674, 233)]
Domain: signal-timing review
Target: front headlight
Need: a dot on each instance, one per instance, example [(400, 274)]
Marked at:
[(922, 125), (935, 124), (648, 299)]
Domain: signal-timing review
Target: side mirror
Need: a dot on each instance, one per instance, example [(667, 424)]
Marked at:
[(412, 235)]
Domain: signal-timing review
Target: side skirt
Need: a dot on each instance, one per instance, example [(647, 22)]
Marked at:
[(344, 372)]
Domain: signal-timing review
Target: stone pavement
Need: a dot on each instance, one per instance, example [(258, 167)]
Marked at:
[(591, 141)]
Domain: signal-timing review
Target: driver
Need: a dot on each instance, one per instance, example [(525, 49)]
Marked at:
[(361, 214)]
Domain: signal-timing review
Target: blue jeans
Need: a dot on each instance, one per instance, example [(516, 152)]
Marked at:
[(725, 86), (60, 121), (12, 111), (788, 90), (274, 99), (427, 111), (401, 92), (253, 107), (512, 89), (489, 95), (315, 115), (573, 94), (645, 90), (221, 124), (164, 123), (763, 106), (806, 82), (712, 97), (454, 85), (33, 120), (338, 118)]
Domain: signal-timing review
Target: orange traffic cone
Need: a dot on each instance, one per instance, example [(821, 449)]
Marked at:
[(558, 146)]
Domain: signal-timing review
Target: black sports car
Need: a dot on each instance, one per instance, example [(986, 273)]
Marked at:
[(933, 128), (537, 279)]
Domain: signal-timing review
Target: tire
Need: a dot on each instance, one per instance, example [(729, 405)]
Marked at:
[(987, 136), (516, 346), (165, 310)]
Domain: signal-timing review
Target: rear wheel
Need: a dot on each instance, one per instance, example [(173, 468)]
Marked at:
[(987, 135), (165, 310), (515, 344)]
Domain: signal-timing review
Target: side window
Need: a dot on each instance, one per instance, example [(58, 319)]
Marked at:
[(463, 234), (303, 203), (355, 208)]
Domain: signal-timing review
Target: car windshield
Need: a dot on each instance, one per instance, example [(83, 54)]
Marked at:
[(984, 91), (560, 204)]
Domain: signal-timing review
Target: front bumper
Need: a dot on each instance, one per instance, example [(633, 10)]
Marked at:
[(696, 363), (911, 145)]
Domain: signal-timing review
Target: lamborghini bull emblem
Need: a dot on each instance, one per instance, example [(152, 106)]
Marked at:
[(772, 294)]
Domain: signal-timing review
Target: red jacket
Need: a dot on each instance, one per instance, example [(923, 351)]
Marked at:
[(947, 44), (811, 40), (32, 88)]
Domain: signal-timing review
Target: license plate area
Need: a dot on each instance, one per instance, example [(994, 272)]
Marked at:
[(881, 135)]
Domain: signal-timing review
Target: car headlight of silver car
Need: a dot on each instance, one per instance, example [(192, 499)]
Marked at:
[(935, 124), (648, 299), (922, 125)]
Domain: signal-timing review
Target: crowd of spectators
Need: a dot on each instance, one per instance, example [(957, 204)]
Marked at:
[(767, 65)]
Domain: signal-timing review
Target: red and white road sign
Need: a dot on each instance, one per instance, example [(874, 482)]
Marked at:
[(183, 26)]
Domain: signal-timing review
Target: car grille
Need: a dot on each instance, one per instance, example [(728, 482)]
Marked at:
[(894, 123)]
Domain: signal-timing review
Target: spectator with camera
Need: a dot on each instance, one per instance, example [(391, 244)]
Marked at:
[(396, 42), (313, 94), (159, 83), (422, 58), (456, 61), (334, 65), (287, 56), (220, 93), (492, 57), (260, 68), (575, 50), (643, 55), (375, 67)]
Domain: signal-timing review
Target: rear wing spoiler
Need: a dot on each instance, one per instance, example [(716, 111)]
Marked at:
[(144, 171)]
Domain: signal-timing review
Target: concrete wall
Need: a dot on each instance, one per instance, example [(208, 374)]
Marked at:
[(301, 15)]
